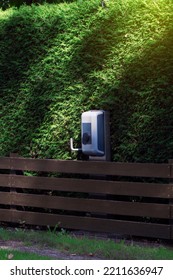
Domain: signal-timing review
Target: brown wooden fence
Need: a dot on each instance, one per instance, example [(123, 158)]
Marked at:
[(122, 198)]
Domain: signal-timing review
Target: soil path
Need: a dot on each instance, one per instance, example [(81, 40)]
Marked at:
[(52, 253)]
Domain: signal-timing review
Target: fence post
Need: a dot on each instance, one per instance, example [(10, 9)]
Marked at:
[(171, 198), (13, 172)]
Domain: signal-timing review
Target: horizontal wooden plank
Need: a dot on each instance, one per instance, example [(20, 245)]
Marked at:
[(6, 215), (5, 163), (5, 198), (171, 167), (171, 232), (89, 167), (136, 209), (171, 211), (86, 223), (88, 186), (5, 180)]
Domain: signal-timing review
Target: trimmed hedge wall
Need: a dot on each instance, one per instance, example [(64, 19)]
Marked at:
[(58, 60)]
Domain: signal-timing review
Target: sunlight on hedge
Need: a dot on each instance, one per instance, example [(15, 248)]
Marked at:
[(57, 61)]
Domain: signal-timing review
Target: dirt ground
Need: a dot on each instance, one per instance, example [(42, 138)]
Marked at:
[(58, 254), (52, 253)]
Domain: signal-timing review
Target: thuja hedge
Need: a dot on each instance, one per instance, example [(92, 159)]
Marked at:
[(5, 4), (58, 60)]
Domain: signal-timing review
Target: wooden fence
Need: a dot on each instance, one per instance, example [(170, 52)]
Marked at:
[(121, 198)]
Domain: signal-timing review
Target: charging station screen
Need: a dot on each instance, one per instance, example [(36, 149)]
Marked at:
[(86, 137)]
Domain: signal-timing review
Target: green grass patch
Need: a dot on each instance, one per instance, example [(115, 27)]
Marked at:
[(106, 249), (17, 255)]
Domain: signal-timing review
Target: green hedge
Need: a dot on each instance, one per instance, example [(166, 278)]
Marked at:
[(58, 60), (5, 4)]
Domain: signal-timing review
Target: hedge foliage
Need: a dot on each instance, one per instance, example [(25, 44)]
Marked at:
[(58, 60), (5, 4)]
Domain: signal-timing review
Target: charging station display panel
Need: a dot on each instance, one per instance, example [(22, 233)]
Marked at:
[(92, 127), (86, 138)]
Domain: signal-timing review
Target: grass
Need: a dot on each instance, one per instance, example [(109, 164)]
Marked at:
[(107, 249), (17, 255)]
